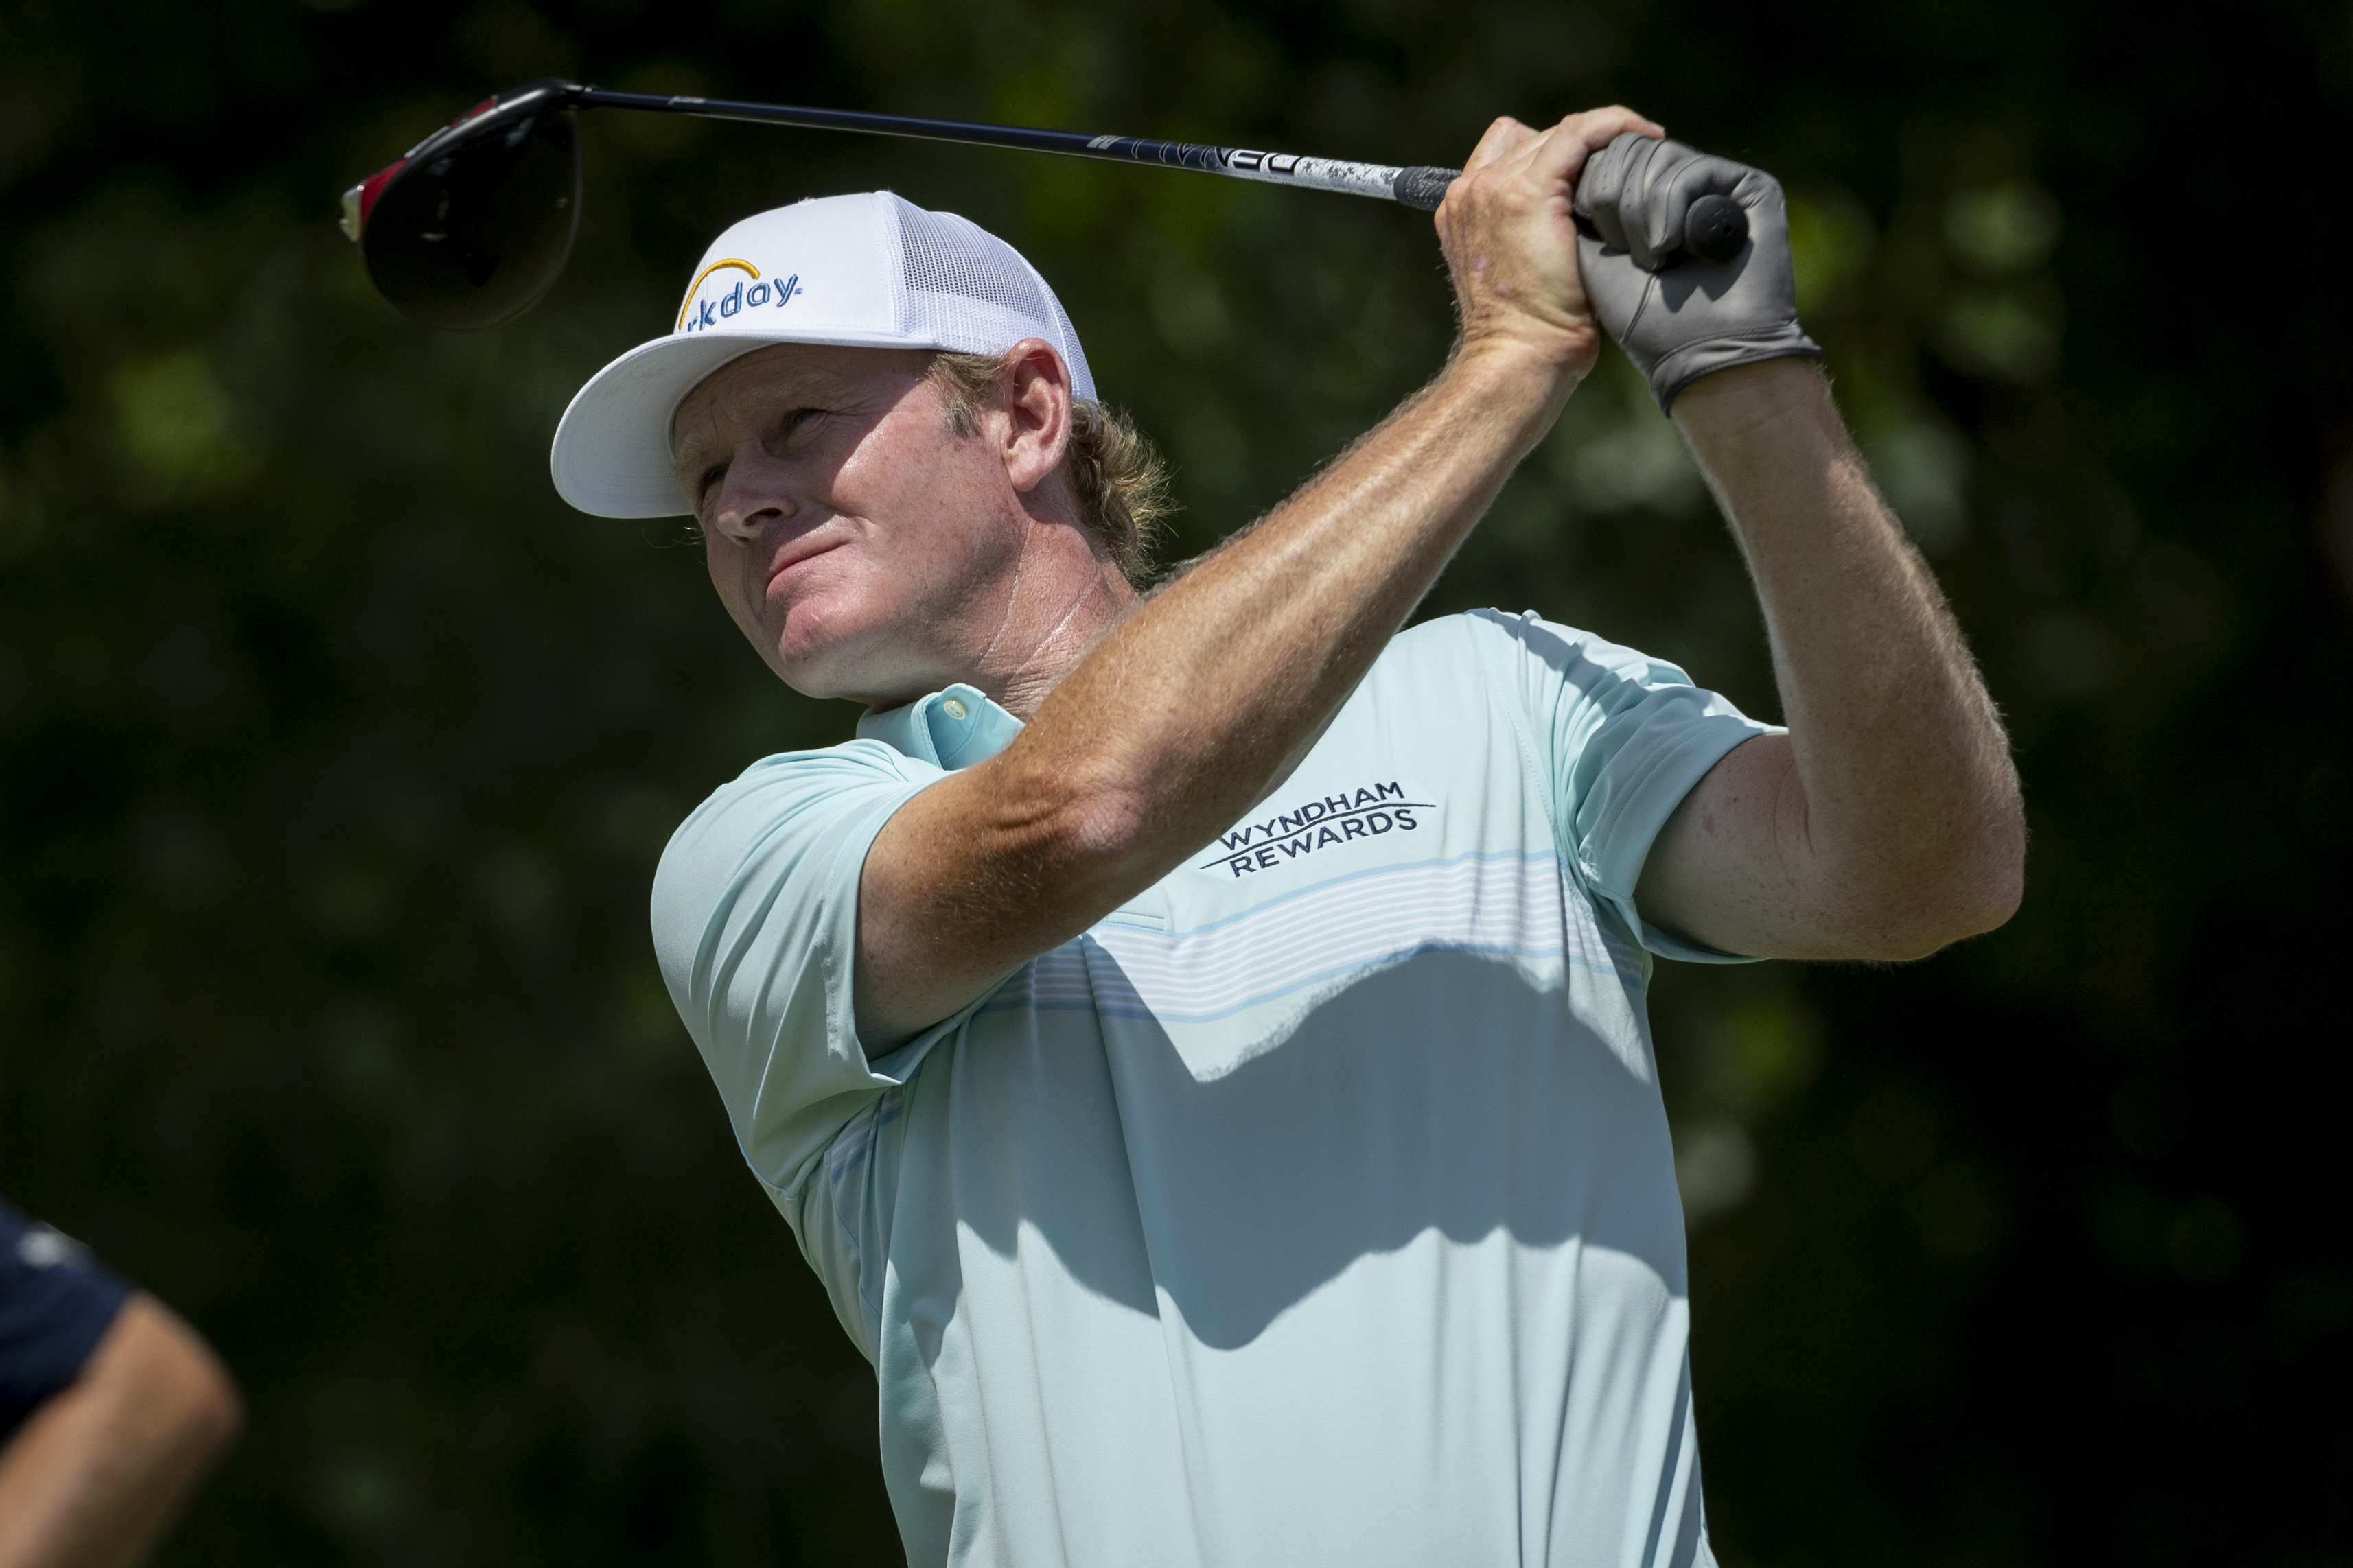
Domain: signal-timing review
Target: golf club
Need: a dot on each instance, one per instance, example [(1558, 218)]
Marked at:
[(474, 223)]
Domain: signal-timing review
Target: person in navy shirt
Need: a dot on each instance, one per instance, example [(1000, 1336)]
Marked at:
[(111, 1409)]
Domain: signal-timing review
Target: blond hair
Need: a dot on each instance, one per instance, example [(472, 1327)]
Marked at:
[(1117, 478)]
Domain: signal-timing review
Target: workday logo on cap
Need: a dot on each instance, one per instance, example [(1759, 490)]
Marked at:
[(818, 271), (751, 291), (867, 270)]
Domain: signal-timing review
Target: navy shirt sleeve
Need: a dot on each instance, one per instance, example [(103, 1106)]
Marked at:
[(56, 1302)]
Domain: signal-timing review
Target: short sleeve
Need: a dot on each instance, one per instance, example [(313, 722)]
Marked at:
[(754, 922), (1621, 738), (56, 1303)]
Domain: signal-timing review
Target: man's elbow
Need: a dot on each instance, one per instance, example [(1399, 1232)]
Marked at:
[(1080, 824), (1930, 909), (1960, 911), (163, 1365), (211, 1413)]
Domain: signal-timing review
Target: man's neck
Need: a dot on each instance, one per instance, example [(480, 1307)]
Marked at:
[(1052, 622), (1062, 593)]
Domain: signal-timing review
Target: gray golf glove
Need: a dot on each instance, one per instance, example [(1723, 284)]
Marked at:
[(1677, 317)]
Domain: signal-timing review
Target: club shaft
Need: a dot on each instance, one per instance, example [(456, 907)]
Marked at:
[(1378, 180)]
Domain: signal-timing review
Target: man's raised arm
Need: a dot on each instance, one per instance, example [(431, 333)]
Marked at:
[(1887, 822), (1199, 701)]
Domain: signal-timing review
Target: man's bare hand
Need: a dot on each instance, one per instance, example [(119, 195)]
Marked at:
[(1510, 243)]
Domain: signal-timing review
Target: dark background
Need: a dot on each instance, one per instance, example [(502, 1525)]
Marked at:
[(335, 752)]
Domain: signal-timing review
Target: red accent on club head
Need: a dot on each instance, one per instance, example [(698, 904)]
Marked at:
[(373, 187)]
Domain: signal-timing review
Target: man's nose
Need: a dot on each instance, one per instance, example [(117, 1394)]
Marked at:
[(753, 497)]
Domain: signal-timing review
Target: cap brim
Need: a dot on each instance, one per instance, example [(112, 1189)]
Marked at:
[(612, 456)]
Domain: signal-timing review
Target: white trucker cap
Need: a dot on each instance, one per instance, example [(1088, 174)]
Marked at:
[(869, 270)]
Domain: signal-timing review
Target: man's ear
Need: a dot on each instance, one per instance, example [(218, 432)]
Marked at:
[(1034, 395)]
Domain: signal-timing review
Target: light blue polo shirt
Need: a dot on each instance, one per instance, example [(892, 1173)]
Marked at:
[(1316, 1207)]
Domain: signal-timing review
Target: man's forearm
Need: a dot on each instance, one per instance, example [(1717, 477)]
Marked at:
[(1190, 709), (1204, 697), (1212, 691), (1906, 830)]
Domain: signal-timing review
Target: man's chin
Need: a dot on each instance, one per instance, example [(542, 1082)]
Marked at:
[(876, 676), (824, 655), (813, 677)]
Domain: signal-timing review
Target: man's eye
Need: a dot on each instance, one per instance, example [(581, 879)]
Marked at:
[(710, 481)]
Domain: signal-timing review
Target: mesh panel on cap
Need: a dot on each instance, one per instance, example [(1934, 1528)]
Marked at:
[(968, 290)]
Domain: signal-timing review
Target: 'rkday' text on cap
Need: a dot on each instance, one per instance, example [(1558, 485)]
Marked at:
[(700, 314)]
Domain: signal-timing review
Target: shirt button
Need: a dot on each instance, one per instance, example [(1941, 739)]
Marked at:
[(954, 707)]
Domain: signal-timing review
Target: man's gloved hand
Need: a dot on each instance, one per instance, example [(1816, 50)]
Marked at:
[(1695, 316)]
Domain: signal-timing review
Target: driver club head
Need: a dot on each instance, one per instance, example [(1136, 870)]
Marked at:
[(475, 223)]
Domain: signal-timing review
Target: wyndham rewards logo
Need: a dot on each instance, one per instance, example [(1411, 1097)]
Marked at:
[(1374, 811), (750, 292)]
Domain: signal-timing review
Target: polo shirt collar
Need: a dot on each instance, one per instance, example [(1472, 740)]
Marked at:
[(950, 729)]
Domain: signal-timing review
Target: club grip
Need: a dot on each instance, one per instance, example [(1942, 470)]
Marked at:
[(1713, 230), (1716, 228), (1423, 188)]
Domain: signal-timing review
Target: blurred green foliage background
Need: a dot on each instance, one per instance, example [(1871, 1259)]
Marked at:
[(335, 753)]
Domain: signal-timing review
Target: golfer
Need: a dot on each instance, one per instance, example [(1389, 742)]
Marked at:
[(1197, 1036)]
